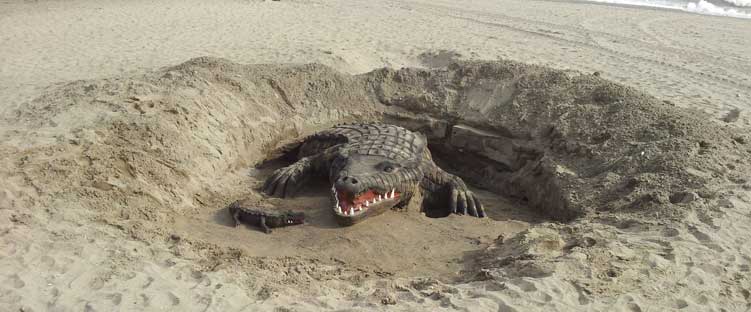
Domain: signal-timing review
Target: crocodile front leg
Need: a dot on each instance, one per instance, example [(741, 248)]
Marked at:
[(285, 182), (236, 217), (264, 226), (460, 199)]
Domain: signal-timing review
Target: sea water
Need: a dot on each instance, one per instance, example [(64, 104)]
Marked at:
[(731, 8)]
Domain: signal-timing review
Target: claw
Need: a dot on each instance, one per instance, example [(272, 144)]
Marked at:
[(281, 186), (274, 182), (471, 204), (462, 201), (453, 204), (480, 208)]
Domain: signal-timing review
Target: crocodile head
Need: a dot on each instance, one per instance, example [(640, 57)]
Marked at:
[(292, 218), (368, 185)]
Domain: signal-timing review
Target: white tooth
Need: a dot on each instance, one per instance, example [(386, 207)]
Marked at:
[(380, 197), (393, 193), (367, 203), (338, 209), (351, 210)]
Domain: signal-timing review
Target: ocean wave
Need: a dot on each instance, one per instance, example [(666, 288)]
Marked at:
[(740, 3), (700, 7), (704, 7)]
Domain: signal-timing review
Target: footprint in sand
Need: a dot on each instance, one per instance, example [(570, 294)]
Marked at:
[(15, 281), (116, 298), (173, 298)]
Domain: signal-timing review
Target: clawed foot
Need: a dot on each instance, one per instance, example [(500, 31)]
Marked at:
[(462, 201), (284, 182)]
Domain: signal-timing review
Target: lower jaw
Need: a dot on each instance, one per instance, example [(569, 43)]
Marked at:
[(370, 212)]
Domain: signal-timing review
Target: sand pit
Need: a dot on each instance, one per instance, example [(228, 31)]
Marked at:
[(574, 170)]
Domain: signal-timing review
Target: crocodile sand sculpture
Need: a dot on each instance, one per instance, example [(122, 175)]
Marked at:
[(373, 167)]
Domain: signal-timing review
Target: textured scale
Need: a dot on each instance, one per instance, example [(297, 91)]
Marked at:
[(368, 139)]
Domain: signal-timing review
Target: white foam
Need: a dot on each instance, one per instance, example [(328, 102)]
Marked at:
[(705, 7), (741, 3), (700, 7)]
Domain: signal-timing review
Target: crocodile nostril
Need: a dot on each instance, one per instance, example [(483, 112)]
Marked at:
[(347, 180)]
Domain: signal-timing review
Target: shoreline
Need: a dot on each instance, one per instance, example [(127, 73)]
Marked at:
[(747, 10)]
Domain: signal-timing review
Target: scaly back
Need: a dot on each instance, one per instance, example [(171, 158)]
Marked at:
[(374, 139)]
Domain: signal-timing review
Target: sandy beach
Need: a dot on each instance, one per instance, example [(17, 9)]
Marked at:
[(127, 127)]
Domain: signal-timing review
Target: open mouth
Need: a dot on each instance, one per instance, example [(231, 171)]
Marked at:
[(351, 205)]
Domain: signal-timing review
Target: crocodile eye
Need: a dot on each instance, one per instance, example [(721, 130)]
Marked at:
[(389, 168)]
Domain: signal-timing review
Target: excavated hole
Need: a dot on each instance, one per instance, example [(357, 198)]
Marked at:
[(415, 244)]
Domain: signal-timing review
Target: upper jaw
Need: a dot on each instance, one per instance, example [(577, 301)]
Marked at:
[(364, 203)]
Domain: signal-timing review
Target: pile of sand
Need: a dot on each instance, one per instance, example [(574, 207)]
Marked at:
[(154, 159)]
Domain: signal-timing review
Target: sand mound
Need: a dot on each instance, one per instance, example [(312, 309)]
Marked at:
[(159, 156)]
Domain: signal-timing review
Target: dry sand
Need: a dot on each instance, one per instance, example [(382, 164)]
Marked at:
[(114, 186)]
